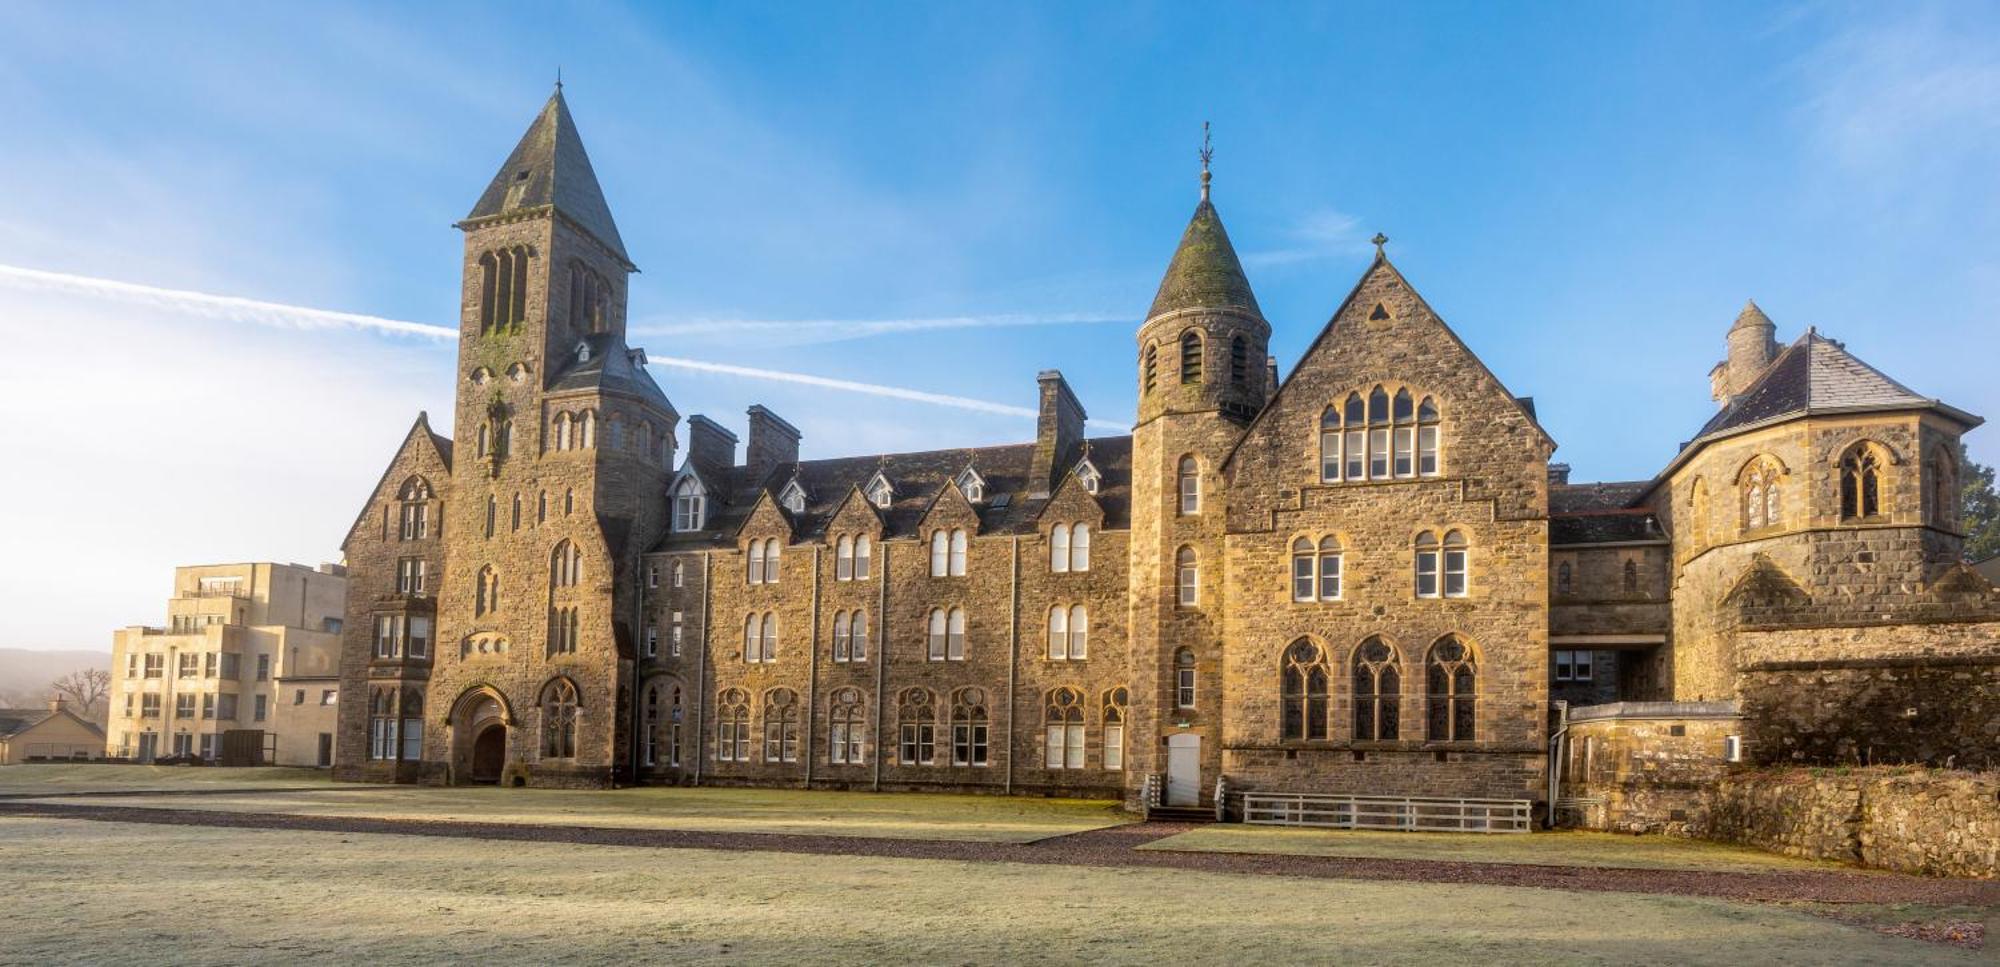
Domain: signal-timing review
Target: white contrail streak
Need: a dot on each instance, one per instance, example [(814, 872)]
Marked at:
[(214, 306), (284, 316), (814, 331)]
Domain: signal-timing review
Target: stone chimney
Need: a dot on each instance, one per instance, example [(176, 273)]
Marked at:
[(1270, 377), (58, 704), (1558, 474), (1058, 432), (711, 448), (1753, 343), (773, 442)]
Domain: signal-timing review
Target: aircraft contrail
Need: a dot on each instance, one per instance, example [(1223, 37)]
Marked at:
[(282, 315), (806, 332)]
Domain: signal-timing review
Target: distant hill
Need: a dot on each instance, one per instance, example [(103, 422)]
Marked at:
[(25, 674)]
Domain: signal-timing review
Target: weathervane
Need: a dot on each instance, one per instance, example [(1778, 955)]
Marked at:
[(1207, 154)]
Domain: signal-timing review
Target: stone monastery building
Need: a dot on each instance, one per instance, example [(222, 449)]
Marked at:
[(1364, 577)]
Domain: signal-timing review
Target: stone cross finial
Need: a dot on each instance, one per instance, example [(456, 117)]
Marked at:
[(1379, 240), (1207, 153)]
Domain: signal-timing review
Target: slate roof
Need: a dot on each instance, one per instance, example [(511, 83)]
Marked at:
[(918, 478), (1600, 513), (1204, 273), (14, 721), (550, 168), (1812, 375), (611, 366)]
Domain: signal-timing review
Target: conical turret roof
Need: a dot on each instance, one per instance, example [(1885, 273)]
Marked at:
[(549, 168), (1205, 273), (1752, 317)]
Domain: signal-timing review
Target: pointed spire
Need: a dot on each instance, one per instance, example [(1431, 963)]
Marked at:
[(550, 168), (1204, 273), (1752, 316)]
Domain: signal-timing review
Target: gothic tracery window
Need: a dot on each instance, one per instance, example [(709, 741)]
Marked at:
[(846, 727), (1762, 491), (968, 727), (1303, 692), (1378, 685), (1062, 717), (916, 716), (781, 725), (1860, 483), (559, 712), (1386, 437), (1452, 686)]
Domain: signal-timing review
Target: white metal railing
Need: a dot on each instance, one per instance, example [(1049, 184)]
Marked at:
[(1221, 799), (1150, 794), (1387, 812)]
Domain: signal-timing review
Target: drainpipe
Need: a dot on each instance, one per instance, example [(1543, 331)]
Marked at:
[(1556, 760), (701, 666), (1014, 651), (881, 576), (812, 674)]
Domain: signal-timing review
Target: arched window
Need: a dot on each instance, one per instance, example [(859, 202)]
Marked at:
[(1456, 576), (650, 740), (959, 543), (781, 725), (1239, 360), (863, 550), (1631, 577), (382, 724), (1059, 549), (1079, 547), (1069, 632), (1184, 678), (586, 429), (563, 631), (489, 291), (516, 519), (1316, 570), (940, 553), (843, 559), (1190, 486), (1152, 365), (768, 645), (1115, 704), (690, 505), (559, 708), (1058, 633), (569, 502), (1304, 692), (1190, 357), (968, 727), (1063, 717), (916, 714), (1761, 496), (1187, 579), (561, 431), (1452, 684), (415, 497), (1860, 483), (1941, 473), (1378, 685), (843, 631), (565, 565), (485, 439), (678, 574), (1563, 576), (847, 727), (761, 561), (1304, 586), (732, 726), (1387, 437), (753, 649), (486, 599), (954, 637)]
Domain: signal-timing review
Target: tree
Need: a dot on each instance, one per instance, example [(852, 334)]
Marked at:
[(83, 688), (1980, 513)]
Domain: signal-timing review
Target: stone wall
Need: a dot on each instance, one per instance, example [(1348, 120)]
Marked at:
[(1644, 767), (1931, 822)]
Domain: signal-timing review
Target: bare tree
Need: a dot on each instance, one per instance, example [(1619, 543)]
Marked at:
[(83, 688)]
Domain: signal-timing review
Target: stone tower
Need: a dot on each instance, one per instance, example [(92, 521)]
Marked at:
[(1202, 377), (562, 447), (1753, 344)]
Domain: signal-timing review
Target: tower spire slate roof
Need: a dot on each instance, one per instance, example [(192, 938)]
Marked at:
[(550, 169), (1752, 316), (1204, 273)]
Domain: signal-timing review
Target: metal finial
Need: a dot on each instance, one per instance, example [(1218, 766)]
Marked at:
[(1379, 240), (1207, 154), (559, 78)]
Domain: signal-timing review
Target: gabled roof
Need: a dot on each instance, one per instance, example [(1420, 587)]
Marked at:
[(918, 479), (420, 431), (549, 169), (1204, 273), (14, 721)]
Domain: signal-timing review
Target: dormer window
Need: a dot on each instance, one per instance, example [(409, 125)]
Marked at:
[(793, 498), (879, 492), (1088, 475), (690, 504), (583, 352), (972, 486)]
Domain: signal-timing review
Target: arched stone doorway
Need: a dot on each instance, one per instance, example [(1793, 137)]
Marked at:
[(479, 725)]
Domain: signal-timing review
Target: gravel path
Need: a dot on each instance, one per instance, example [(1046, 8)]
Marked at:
[(1115, 847)]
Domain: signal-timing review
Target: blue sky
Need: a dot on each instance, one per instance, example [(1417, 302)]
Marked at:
[(1586, 192)]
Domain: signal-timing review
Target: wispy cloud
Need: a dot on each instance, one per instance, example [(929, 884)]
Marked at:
[(1321, 234), (1908, 89), (281, 315), (808, 332)]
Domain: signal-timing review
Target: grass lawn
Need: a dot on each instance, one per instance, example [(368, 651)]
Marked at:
[(90, 892), (810, 812), (1565, 848), (68, 777)]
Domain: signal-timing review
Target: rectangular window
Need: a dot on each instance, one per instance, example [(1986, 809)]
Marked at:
[(416, 521), (1184, 688), (260, 708), (1329, 577), (1329, 456), (131, 664), (652, 641), (1357, 455), (1406, 438), (1427, 574), (183, 744), (225, 706), (1378, 454), (328, 696), (388, 636), (968, 745), (189, 667), (264, 668), (674, 637), (1582, 664), (652, 575), (149, 705), (299, 697), (1114, 746), (419, 637), (156, 665), (208, 706), (1454, 574), (413, 739), (410, 576), (208, 664), (208, 746), (184, 705), (1065, 747), (1427, 451), (919, 746), (1302, 578), (1565, 666), (232, 665)]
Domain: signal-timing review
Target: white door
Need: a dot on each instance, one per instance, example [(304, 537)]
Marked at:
[(1183, 769)]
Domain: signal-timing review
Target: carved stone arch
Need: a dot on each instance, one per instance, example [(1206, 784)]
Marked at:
[(472, 695)]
